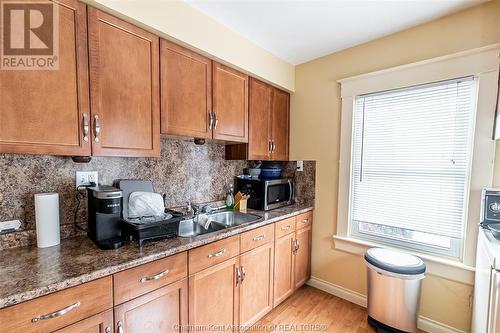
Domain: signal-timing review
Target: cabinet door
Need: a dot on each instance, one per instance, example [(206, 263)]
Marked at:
[(100, 323), (160, 311), (230, 104), (214, 296), (259, 120), (281, 121), (256, 290), (43, 111), (302, 256), (186, 92), (283, 268), (124, 87)]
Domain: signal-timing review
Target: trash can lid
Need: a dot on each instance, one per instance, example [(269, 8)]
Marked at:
[(395, 261)]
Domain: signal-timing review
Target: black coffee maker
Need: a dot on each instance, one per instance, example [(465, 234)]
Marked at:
[(104, 216)]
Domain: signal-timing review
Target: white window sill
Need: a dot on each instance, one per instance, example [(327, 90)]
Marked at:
[(448, 269)]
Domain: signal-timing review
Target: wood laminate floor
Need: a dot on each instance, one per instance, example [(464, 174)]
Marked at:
[(313, 310)]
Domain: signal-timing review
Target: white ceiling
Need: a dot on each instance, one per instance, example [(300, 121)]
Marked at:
[(301, 30)]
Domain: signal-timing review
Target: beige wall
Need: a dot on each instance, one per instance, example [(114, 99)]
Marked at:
[(315, 135), (178, 21)]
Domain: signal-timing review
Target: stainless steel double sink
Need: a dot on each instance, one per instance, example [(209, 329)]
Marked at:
[(219, 221)]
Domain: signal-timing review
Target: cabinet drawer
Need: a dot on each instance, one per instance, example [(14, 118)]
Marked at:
[(60, 309), (211, 254), (304, 220), (254, 238), (284, 227), (140, 280), (100, 323)]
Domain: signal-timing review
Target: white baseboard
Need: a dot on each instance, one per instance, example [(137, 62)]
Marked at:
[(424, 323)]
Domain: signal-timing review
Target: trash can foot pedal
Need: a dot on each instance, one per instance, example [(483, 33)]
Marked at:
[(382, 328)]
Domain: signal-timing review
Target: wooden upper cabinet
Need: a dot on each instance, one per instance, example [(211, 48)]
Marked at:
[(42, 111), (260, 120), (186, 92), (281, 121), (230, 104), (124, 81), (269, 119)]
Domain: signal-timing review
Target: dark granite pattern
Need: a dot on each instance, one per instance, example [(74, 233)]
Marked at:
[(29, 272), (184, 171)]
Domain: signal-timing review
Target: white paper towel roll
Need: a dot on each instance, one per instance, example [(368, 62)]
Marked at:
[(47, 219)]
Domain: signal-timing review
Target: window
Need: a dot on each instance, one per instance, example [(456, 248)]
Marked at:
[(411, 165)]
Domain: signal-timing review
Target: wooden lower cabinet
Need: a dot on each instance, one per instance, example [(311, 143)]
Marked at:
[(214, 297), (160, 311), (302, 256), (283, 268), (256, 289), (100, 323)]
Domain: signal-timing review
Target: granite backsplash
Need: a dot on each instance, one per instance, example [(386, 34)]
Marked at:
[(184, 171)]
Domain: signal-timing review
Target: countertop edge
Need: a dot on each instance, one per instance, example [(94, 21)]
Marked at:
[(28, 295)]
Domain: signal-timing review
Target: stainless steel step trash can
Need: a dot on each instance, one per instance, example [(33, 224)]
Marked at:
[(394, 284)]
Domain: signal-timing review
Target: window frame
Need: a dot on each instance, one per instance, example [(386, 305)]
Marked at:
[(456, 247), (480, 63)]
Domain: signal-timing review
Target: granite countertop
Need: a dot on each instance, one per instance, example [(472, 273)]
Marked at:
[(29, 272)]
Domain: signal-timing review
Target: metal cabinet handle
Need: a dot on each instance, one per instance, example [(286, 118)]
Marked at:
[(270, 146), (259, 238), (274, 146), (56, 314), (238, 275), (297, 245), (216, 120), (107, 330), (86, 127), (120, 327), (154, 277), (304, 221), (211, 120), (217, 254), (243, 274), (97, 128), (285, 227)]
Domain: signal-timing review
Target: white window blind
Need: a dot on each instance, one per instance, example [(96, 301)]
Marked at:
[(411, 163)]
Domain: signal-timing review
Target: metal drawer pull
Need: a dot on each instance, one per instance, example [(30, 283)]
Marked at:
[(97, 128), (258, 238), (243, 274), (211, 120), (216, 120), (285, 227), (304, 221), (56, 314), (270, 146), (86, 127), (120, 327), (154, 277), (217, 254), (238, 275)]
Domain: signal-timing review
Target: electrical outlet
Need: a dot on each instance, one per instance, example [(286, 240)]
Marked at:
[(86, 177), (300, 165), (9, 226)]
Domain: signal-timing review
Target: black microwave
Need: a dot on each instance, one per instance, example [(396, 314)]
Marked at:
[(266, 194)]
